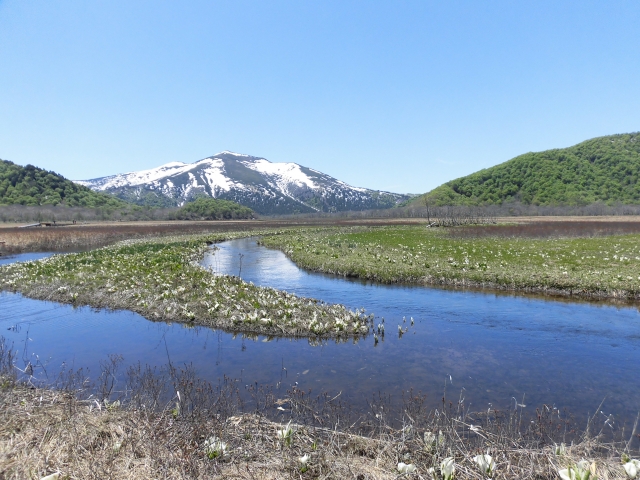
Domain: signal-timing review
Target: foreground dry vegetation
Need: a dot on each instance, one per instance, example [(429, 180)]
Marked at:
[(168, 424)]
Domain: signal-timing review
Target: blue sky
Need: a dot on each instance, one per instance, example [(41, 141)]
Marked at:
[(395, 95)]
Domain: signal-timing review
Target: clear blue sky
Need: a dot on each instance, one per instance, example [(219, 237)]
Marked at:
[(396, 95)]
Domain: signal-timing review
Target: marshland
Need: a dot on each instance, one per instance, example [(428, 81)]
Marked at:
[(581, 259), (365, 385)]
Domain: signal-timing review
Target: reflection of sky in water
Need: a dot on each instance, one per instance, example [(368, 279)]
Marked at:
[(494, 346), (23, 257)]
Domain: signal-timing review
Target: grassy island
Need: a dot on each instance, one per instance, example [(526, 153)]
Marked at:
[(162, 280), (590, 267)]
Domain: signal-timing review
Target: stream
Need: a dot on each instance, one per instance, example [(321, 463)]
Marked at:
[(492, 349)]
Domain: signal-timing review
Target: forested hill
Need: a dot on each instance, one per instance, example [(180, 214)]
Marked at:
[(35, 186), (604, 169)]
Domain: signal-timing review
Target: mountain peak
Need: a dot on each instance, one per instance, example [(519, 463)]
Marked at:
[(235, 154), (265, 187)]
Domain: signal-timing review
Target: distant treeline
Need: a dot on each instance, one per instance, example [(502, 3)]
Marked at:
[(200, 209), (61, 213)]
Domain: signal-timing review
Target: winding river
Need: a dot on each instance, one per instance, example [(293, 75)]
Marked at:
[(491, 349)]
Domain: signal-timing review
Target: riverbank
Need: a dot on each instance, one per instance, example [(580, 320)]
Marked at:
[(599, 267), (161, 279), (202, 433)]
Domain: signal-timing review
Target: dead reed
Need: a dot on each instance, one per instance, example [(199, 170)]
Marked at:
[(548, 229), (84, 237)]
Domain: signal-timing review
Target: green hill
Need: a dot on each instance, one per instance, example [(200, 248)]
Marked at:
[(35, 186), (604, 169)]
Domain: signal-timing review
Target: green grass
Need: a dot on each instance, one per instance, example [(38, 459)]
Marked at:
[(602, 267), (162, 280)]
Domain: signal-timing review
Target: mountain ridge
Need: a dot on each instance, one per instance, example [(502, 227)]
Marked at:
[(264, 186)]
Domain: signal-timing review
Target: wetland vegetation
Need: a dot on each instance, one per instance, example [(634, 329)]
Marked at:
[(585, 266), (162, 280)]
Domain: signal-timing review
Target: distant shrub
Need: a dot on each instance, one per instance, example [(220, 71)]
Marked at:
[(212, 209)]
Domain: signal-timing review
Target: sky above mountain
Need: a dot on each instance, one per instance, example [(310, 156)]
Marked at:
[(397, 96)]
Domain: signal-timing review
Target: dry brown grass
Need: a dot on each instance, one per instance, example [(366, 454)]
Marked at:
[(46, 431), (43, 431), (549, 229), (83, 237), (570, 218)]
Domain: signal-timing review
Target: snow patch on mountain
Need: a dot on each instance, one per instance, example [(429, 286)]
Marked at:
[(256, 182)]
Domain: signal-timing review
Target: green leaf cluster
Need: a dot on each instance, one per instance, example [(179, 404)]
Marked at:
[(204, 208), (604, 169), (35, 186)]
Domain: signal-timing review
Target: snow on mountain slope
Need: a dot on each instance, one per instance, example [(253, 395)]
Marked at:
[(266, 187)]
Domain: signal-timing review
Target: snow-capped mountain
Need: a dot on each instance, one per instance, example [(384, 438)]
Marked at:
[(266, 187)]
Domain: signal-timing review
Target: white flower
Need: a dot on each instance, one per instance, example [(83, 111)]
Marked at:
[(432, 440), (303, 460), (486, 463), (406, 467), (631, 468), (214, 447), (429, 438), (285, 434), (53, 476), (567, 474), (580, 472), (432, 473), (448, 468)]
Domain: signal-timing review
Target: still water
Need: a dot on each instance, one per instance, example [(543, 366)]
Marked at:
[(488, 348)]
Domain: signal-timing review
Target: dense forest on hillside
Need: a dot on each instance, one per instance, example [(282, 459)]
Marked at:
[(604, 169), (35, 186), (212, 209)]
